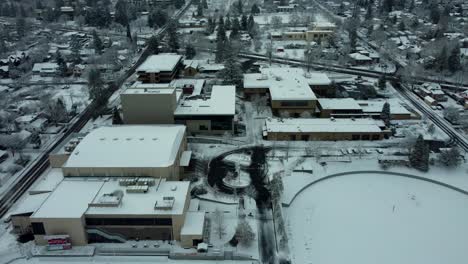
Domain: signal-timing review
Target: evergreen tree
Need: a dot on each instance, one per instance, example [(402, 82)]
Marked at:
[(244, 22), (251, 25), (434, 14), (96, 86), (21, 27), (255, 10), (369, 14), (235, 29), (220, 41), (454, 63), (411, 6), (232, 72), (116, 118), (205, 4), (386, 6), (190, 51), (97, 43), (121, 16), (173, 40), (157, 18), (441, 60), (211, 26), (200, 10), (75, 46), (239, 6), (62, 65), (402, 26), (228, 23), (352, 38), (129, 33), (382, 82), (385, 114), (419, 155), (153, 45), (179, 3)]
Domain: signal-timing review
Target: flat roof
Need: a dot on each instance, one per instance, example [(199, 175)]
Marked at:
[(375, 106), (321, 125), (76, 197), (132, 146), (160, 62), (222, 101), (69, 200), (283, 83), (143, 203), (193, 225), (339, 104)]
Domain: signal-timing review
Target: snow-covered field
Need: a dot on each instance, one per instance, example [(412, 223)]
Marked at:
[(378, 219)]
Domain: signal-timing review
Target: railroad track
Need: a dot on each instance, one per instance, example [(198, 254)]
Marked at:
[(439, 121), (41, 164)]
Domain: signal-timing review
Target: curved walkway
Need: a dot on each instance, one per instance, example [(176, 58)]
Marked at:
[(341, 174)]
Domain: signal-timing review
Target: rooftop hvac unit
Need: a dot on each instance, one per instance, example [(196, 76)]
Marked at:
[(137, 189), (166, 203), (127, 181), (109, 199), (145, 181)]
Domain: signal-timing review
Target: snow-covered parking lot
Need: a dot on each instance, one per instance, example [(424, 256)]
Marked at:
[(376, 218)]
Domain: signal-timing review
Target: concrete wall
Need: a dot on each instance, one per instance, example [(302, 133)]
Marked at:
[(74, 227), (21, 224), (57, 160), (187, 240), (148, 108)]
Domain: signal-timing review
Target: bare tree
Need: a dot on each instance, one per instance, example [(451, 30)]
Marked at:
[(14, 142)]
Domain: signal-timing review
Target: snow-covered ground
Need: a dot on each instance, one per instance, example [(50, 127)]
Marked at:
[(378, 219)]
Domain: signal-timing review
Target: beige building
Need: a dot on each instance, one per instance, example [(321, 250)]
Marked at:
[(149, 104), (115, 210), (207, 113), (287, 88), (318, 32), (130, 151), (324, 129)]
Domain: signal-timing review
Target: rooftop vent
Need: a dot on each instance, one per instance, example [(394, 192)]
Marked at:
[(166, 203), (109, 199)]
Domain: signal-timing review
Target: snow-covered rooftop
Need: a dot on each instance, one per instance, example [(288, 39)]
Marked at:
[(375, 106), (45, 67), (339, 104), (284, 83), (323, 125), (75, 197), (221, 102), (193, 225), (143, 203), (147, 146), (160, 62), (69, 200)]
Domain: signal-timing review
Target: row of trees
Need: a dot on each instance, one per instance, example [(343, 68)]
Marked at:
[(420, 154)]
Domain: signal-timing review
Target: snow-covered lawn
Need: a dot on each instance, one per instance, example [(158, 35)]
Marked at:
[(378, 219)]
